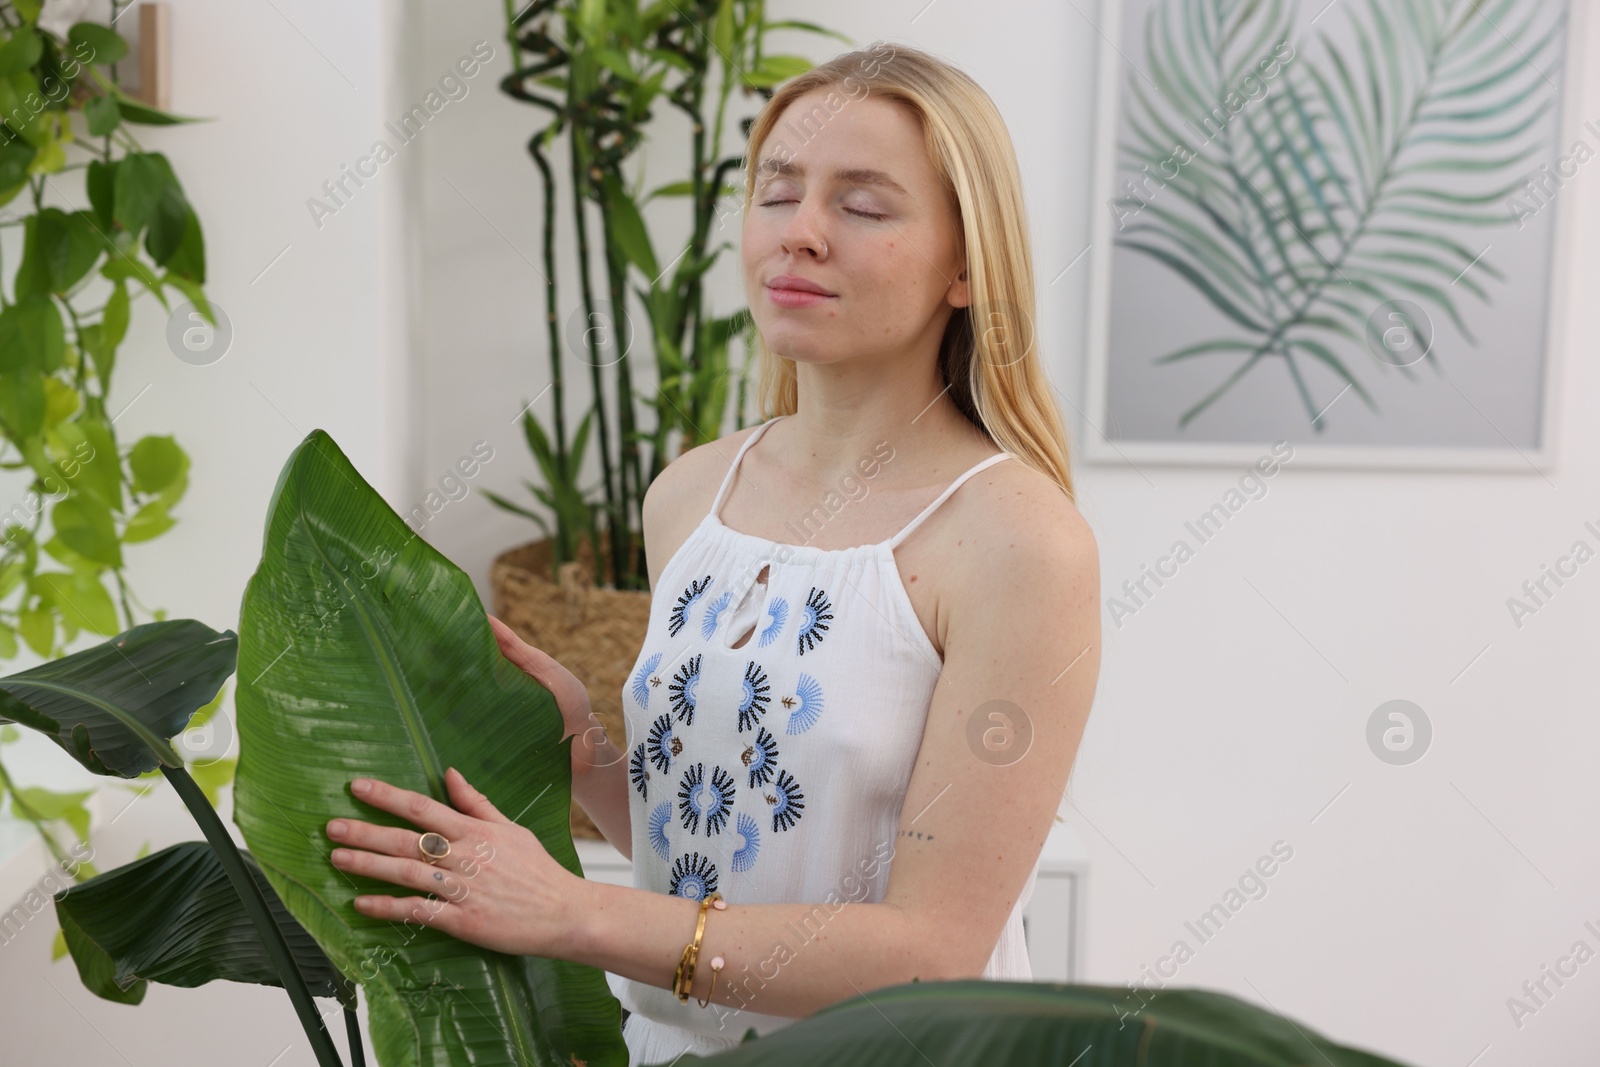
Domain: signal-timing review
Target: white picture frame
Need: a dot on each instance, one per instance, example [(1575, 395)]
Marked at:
[(1102, 441)]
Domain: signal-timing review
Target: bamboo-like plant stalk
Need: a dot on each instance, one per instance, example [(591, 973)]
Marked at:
[(613, 61)]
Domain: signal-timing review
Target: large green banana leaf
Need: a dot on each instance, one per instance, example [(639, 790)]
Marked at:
[(364, 652), (979, 1023), (115, 707), (174, 917)]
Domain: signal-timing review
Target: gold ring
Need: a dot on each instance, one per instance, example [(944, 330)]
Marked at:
[(434, 847)]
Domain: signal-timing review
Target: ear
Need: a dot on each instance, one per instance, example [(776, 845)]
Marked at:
[(959, 295), (468, 800)]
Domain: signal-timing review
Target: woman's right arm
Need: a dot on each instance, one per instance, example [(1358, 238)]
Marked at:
[(600, 784)]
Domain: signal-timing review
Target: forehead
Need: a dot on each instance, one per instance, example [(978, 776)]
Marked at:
[(829, 135)]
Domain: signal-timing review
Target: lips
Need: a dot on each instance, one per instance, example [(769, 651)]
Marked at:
[(797, 284)]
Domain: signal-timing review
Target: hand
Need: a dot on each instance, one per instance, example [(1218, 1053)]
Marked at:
[(502, 890), (571, 697)]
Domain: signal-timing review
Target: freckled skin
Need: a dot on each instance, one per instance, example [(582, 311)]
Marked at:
[(888, 301)]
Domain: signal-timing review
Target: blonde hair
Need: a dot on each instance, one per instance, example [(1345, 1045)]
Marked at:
[(987, 356)]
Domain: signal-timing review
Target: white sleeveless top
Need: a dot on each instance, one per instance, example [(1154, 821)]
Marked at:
[(775, 771)]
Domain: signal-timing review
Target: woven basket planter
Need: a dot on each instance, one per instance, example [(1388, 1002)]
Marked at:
[(594, 633)]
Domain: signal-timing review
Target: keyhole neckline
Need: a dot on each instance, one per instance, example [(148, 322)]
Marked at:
[(742, 611)]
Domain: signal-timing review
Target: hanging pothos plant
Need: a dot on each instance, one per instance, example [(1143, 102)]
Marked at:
[(69, 277)]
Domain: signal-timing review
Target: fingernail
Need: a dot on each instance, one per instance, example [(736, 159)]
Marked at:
[(360, 787), (336, 828), (340, 855)]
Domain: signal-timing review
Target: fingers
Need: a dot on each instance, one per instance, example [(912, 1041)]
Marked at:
[(436, 913), (412, 874), (517, 650), (394, 840), (469, 800), (423, 811)]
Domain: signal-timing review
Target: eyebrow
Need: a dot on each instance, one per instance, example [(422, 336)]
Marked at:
[(781, 168)]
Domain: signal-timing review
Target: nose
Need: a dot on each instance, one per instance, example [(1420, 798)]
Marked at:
[(802, 234)]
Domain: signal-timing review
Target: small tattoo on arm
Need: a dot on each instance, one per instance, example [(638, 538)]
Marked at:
[(918, 834)]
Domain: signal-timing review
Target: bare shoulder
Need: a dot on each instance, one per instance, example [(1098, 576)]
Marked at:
[(679, 497), (1017, 527)]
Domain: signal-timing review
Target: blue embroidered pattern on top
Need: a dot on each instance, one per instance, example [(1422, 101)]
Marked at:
[(641, 680), (745, 857), (708, 625), (779, 610), (660, 816), (808, 697)]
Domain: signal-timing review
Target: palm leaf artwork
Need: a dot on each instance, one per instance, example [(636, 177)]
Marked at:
[(1341, 192), (364, 652)]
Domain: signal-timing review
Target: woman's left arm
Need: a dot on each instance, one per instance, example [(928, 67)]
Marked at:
[(1021, 665)]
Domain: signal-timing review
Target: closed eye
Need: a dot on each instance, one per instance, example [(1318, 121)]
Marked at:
[(851, 210)]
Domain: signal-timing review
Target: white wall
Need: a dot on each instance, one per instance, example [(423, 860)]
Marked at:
[(1231, 711)]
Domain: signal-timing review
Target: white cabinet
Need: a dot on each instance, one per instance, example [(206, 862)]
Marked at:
[(1056, 916), (1053, 920)]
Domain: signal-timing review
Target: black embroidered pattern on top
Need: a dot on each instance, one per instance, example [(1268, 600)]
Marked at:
[(756, 696), (663, 743), (639, 772), (761, 758), (682, 690), (787, 802), (814, 619), (693, 876), (696, 799), (686, 600)]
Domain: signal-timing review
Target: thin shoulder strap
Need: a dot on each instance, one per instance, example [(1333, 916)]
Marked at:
[(727, 480), (942, 497)]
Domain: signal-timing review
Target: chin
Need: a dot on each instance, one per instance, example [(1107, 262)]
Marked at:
[(794, 342)]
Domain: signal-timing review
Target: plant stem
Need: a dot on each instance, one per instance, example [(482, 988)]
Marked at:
[(28, 812), (352, 1029), (255, 904)]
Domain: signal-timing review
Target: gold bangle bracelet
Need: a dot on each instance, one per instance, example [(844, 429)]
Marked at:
[(683, 979), (716, 968)]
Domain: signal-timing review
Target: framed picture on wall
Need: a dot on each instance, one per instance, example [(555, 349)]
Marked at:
[(1339, 224)]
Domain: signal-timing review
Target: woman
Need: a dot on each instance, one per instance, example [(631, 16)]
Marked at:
[(851, 740)]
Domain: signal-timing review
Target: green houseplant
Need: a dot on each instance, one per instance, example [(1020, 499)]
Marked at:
[(598, 68), (67, 131), (363, 651)]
